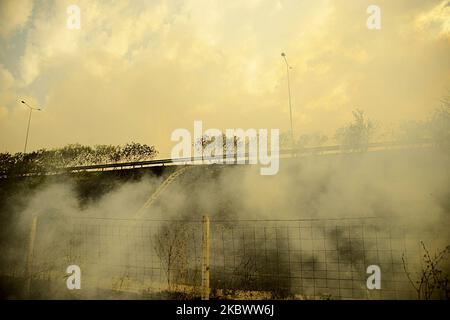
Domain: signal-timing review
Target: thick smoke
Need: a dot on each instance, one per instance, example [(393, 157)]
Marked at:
[(405, 188)]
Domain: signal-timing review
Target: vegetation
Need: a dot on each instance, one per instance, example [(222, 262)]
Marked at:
[(435, 129), (73, 155), (432, 280), (357, 134), (361, 131), (173, 245)]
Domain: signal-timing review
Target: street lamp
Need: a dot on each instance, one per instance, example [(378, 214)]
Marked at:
[(289, 93), (29, 120)]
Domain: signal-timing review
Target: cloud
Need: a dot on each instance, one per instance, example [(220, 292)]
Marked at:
[(137, 70), (14, 15), (7, 90), (436, 21), (6, 78)]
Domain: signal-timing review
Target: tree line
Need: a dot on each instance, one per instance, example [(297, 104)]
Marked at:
[(358, 133), (354, 136), (73, 155)]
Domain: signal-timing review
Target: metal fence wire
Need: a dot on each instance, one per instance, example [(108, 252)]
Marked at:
[(247, 259)]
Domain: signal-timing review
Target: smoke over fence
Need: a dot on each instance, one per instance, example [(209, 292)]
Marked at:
[(297, 235), (296, 259)]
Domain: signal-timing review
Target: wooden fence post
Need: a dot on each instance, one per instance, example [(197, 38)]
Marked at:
[(30, 254), (205, 264)]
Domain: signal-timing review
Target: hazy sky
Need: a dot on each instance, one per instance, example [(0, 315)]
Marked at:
[(136, 70)]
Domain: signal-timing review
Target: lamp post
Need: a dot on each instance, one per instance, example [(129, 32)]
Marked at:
[(29, 121), (290, 104)]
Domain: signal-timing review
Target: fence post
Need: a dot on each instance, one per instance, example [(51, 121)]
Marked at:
[(205, 264), (31, 253)]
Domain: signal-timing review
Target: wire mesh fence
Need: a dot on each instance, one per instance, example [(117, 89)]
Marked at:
[(310, 259), (247, 259)]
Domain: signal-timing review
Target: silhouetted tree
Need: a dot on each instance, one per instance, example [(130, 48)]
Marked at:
[(356, 135), (135, 152)]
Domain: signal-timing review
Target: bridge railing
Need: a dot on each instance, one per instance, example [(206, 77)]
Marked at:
[(285, 153)]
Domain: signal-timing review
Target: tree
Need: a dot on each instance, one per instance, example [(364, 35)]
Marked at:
[(6, 163), (106, 154), (435, 129), (136, 152), (432, 280), (73, 154), (205, 140), (440, 124), (356, 135), (173, 249)]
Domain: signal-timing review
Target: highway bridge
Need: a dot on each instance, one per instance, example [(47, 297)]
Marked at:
[(286, 154)]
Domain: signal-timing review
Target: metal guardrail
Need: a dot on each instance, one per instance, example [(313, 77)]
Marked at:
[(299, 152)]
